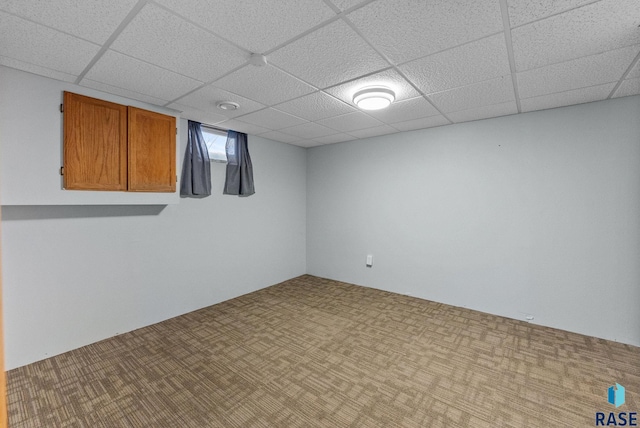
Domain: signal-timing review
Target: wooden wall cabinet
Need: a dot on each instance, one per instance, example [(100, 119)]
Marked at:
[(108, 146)]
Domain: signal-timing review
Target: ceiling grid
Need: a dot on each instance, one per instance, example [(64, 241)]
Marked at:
[(447, 61)]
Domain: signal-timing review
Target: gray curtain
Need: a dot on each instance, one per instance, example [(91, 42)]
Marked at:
[(239, 179), (196, 169)]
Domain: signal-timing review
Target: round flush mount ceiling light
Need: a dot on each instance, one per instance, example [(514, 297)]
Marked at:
[(374, 98), (228, 105)]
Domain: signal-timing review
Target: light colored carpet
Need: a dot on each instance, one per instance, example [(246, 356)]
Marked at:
[(312, 352)]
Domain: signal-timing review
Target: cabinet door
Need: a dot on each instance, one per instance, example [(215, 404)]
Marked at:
[(152, 151), (95, 144)]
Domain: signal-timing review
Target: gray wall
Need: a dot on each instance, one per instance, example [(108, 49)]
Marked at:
[(536, 214), (73, 275)]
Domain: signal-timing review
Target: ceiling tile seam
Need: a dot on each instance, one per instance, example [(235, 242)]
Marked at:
[(282, 70), (279, 111), (624, 76), (301, 35), (316, 89), (401, 64), (512, 61), (569, 90), (350, 9), (353, 79), (426, 97), (284, 130), (312, 93), (49, 27), (384, 57), (333, 7), (105, 46), (318, 26), (127, 90), (251, 124), (174, 13), (211, 83), (482, 107), (393, 125), (577, 58), (35, 65), (467, 85), (78, 81), (555, 14), (337, 133)]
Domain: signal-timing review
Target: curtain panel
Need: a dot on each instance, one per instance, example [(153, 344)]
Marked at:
[(239, 180), (196, 169)]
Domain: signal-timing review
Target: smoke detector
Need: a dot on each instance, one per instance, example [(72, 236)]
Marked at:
[(228, 105)]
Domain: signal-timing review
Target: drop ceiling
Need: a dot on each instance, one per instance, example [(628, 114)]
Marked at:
[(448, 61)]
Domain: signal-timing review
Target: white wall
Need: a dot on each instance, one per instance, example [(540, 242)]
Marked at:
[(533, 214), (73, 275)]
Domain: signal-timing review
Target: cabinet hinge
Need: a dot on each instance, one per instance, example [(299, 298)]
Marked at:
[(61, 170), (176, 178), (61, 108), (176, 131)]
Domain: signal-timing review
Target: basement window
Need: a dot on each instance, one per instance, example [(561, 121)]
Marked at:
[(216, 141)]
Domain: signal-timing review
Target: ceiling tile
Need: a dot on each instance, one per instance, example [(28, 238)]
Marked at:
[(484, 112), (327, 56), (93, 20), (347, 4), (129, 73), (266, 85), (306, 143), (279, 136), (389, 78), (36, 44), (373, 132), (576, 96), (578, 73), (628, 87), (524, 11), (335, 138), (427, 122), (257, 26), (405, 30), (591, 29), (206, 117), (240, 126), (36, 69), (122, 92), (635, 71), (401, 111), (350, 122), (161, 38), (316, 106), (272, 119), (309, 130), (451, 68), (495, 91), (207, 98)]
